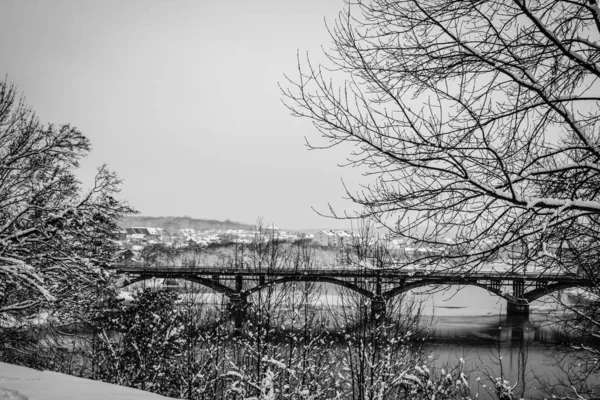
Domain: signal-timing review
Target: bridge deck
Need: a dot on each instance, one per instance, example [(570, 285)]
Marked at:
[(349, 272)]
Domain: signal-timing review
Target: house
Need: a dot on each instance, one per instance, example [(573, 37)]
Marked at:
[(122, 234), (344, 238), (137, 238), (325, 238), (333, 238), (187, 232)]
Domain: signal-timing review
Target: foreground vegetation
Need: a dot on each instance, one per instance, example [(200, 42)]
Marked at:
[(284, 351)]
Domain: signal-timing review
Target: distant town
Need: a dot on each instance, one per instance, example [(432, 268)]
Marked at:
[(137, 238), (134, 239)]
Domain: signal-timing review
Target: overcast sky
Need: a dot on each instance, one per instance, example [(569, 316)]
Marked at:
[(181, 99)]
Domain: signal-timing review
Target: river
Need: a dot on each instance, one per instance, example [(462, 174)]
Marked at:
[(469, 327)]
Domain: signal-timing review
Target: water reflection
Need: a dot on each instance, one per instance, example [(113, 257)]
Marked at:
[(492, 329), (520, 349)]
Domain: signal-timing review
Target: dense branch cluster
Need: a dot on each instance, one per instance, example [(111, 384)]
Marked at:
[(54, 239), (478, 120)]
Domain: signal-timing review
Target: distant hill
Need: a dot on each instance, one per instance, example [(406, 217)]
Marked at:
[(172, 224)]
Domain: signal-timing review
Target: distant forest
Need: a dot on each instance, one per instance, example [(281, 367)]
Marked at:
[(172, 224)]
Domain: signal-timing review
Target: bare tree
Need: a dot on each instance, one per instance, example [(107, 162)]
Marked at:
[(55, 239), (475, 120)]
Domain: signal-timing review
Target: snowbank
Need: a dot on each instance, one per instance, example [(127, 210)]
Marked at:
[(20, 383)]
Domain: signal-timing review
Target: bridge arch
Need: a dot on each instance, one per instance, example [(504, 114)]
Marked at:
[(535, 294), (335, 281), (437, 282), (210, 283)]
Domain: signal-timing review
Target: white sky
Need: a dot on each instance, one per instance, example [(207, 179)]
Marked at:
[(180, 98)]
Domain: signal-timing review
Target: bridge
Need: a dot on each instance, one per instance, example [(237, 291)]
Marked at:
[(379, 285)]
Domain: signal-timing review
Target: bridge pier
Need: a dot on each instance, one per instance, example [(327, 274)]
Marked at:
[(238, 305), (378, 308), (519, 306), (237, 309)]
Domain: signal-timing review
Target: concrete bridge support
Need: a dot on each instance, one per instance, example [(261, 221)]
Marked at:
[(520, 306), (237, 309), (238, 305), (517, 309), (378, 307)]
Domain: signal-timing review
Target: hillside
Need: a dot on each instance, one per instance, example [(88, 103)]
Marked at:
[(173, 224)]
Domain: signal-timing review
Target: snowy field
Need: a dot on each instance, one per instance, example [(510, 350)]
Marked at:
[(20, 383)]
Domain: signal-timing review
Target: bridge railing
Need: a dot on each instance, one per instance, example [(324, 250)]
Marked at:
[(458, 274)]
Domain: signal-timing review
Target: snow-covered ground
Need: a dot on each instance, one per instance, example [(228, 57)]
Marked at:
[(20, 383)]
